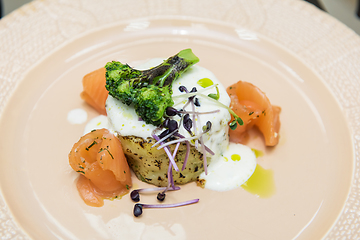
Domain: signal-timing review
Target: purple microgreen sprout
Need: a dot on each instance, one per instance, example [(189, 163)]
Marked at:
[(179, 140), (204, 155), (206, 128), (170, 111), (161, 195), (166, 122), (209, 150), (183, 139), (173, 125), (135, 194), (164, 133), (237, 119), (199, 113), (197, 102), (191, 100), (194, 122), (192, 90), (167, 150), (138, 207), (183, 89), (188, 94), (187, 123), (161, 140), (176, 149), (187, 150), (186, 155)]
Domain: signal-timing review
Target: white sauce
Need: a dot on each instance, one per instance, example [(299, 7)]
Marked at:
[(77, 116), (230, 170), (223, 173), (98, 122)]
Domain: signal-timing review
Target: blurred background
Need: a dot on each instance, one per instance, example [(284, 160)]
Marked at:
[(344, 10)]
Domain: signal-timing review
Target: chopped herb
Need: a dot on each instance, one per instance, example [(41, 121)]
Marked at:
[(92, 144), (251, 113), (106, 149), (79, 171)]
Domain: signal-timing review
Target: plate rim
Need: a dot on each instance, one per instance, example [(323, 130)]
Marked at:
[(12, 25)]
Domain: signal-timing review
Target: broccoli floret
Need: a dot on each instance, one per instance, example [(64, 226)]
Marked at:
[(149, 90), (151, 103)]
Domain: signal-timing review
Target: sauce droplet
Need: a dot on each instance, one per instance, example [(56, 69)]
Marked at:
[(205, 82), (261, 183), (235, 157), (77, 116)]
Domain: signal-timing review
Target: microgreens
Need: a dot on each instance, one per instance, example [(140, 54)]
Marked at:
[(135, 194), (167, 150), (170, 135), (215, 96), (233, 124), (188, 94), (138, 207)]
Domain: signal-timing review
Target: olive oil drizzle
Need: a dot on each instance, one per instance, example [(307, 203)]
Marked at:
[(261, 183)]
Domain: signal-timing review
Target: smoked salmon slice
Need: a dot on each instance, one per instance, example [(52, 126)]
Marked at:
[(255, 109), (99, 158), (94, 90)]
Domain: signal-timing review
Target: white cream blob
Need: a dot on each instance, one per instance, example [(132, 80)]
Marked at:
[(231, 170), (98, 122), (77, 116), (125, 121)]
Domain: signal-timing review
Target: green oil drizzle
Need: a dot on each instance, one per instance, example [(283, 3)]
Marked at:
[(261, 183), (258, 153), (235, 157), (205, 82)]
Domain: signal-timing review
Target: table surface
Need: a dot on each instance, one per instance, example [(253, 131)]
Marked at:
[(344, 10)]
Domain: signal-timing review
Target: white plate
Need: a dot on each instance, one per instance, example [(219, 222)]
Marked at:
[(305, 61)]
